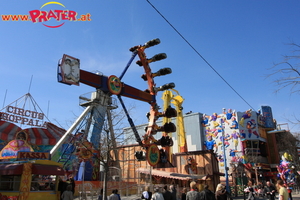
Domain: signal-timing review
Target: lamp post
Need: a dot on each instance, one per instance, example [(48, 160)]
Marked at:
[(235, 175), (225, 159), (242, 179), (240, 173)]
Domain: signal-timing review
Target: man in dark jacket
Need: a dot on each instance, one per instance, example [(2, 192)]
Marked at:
[(173, 192), (167, 194), (206, 194), (270, 190)]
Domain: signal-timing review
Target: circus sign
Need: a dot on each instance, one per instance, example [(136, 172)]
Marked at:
[(22, 116)]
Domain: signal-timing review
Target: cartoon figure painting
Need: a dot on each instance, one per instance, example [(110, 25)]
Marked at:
[(216, 131), (213, 119), (220, 158), (235, 137), (251, 126), (192, 165), (247, 115), (229, 114), (224, 140), (11, 150), (210, 144), (234, 123), (242, 134), (205, 120)]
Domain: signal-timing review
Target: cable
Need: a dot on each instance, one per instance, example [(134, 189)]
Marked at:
[(199, 54)]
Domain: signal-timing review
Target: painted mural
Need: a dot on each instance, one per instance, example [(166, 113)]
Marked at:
[(232, 129)]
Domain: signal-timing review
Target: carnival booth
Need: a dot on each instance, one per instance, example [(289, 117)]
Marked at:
[(26, 171), (30, 179)]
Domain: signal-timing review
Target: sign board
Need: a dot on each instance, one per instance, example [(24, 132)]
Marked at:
[(23, 116), (33, 155), (268, 121), (153, 154), (69, 70)]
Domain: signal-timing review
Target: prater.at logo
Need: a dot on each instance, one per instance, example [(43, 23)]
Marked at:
[(58, 15)]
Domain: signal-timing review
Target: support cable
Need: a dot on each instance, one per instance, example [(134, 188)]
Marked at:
[(199, 54)]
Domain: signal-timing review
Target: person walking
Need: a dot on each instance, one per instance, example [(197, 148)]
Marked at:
[(116, 192), (250, 191), (221, 193), (100, 197), (283, 193), (270, 190), (167, 194), (68, 194), (206, 194), (173, 192), (72, 182), (146, 194), (157, 195), (113, 196), (183, 194), (193, 194), (62, 185)]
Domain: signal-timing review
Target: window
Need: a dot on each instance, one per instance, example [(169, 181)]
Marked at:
[(42, 182), (10, 182)]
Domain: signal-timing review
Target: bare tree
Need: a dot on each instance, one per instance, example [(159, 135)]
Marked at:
[(111, 137), (288, 71), (287, 74)]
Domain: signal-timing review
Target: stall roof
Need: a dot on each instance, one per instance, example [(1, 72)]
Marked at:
[(47, 170), (17, 169), (11, 169)]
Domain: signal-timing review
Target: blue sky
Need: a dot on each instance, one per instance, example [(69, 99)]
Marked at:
[(241, 39)]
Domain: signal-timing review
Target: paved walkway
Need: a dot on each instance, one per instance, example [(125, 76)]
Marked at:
[(296, 196), (132, 197)]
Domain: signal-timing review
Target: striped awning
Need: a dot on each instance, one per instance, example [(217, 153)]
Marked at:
[(37, 136), (8, 130)]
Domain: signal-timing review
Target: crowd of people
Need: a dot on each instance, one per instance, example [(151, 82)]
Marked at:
[(268, 191), (252, 192), (193, 194)]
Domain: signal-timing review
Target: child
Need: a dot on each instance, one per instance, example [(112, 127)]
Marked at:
[(68, 194)]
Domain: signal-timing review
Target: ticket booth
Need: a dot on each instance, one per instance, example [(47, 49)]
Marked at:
[(33, 179)]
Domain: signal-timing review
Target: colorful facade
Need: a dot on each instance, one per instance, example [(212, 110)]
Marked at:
[(239, 137)]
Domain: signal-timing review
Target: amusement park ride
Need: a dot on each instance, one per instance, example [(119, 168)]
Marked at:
[(28, 166), (69, 72)]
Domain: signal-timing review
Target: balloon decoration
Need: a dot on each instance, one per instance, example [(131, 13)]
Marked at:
[(286, 170)]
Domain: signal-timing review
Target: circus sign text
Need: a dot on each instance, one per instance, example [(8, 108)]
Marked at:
[(22, 116)]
